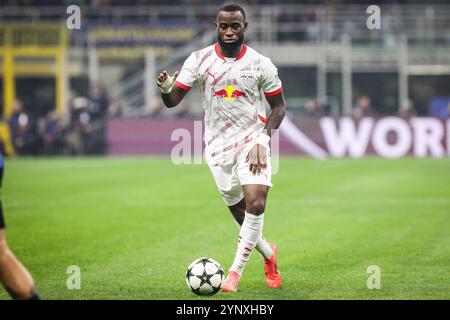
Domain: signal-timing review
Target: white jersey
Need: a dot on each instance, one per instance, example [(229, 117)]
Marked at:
[(232, 93)]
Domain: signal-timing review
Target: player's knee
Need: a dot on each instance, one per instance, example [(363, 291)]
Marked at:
[(256, 206)]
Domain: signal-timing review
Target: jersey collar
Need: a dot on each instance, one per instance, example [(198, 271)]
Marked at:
[(219, 54)]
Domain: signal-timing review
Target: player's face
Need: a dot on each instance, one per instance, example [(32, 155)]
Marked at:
[(230, 28)]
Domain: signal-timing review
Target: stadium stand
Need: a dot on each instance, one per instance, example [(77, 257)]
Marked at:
[(327, 57)]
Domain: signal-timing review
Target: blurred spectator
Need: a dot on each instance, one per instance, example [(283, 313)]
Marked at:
[(99, 102), (79, 126), (98, 116), (53, 136), (313, 108), (114, 110), (22, 129), (363, 108)]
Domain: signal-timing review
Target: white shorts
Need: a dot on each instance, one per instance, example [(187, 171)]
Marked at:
[(231, 177)]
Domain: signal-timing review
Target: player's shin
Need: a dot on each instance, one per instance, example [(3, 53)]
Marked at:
[(13, 275), (249, 235), (262, 246)]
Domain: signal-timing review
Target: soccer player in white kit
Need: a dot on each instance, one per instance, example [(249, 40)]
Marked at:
[(233, 80)]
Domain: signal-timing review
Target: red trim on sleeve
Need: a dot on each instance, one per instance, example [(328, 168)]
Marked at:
[(182, 86), (273, 93), (262, 118)]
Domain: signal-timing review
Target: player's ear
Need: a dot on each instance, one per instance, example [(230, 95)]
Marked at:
[(245, 26)]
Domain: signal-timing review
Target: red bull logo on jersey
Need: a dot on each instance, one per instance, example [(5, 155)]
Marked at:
[(229, 93)]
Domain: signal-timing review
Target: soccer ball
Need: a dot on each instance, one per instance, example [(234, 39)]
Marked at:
[(204, 276)]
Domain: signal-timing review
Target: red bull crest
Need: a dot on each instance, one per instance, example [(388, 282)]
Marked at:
[(229, 93)]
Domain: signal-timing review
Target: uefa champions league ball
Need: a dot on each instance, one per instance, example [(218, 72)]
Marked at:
[(204, 276)]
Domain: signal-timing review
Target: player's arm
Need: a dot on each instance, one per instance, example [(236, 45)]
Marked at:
[(277, 112), (171, 93), (258, 154)]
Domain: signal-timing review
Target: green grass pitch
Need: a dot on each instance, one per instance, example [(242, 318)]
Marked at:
[(133, 225)]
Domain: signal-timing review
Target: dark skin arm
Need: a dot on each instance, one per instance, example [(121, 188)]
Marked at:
[(176, 95), (258, 154)]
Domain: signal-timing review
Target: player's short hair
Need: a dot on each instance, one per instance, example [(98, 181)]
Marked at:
[(231, 8)]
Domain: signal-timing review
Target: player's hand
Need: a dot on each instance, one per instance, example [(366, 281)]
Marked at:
[(163, 76), (257, 157)]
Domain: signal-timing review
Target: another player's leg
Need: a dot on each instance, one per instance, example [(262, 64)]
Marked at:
[(262, 246), (250, 233), (13, 275)]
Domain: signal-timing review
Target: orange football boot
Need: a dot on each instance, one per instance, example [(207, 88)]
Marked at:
[(231, 282), (273, 275)]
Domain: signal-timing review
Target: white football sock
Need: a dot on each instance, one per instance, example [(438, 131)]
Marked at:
[(262, 246), (249, 235)]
